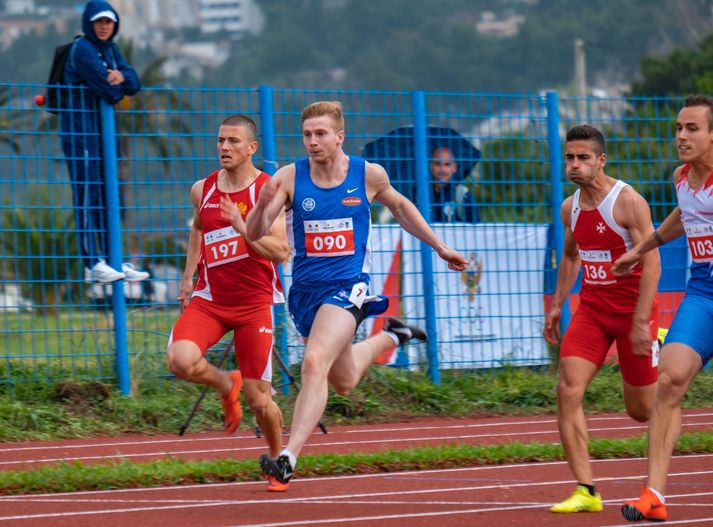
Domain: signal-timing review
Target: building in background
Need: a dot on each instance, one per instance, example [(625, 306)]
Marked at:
[(231, 15), (146, 22)]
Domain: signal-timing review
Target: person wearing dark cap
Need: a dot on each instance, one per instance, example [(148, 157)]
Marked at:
[(96, 63)]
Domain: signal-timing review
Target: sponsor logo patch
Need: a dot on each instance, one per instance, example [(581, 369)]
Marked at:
[(308, 204), (351, 201)]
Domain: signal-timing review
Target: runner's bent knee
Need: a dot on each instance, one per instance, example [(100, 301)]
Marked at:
[(183, 356)]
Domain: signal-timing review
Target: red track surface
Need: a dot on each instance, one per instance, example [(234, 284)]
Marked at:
[(483, 496)]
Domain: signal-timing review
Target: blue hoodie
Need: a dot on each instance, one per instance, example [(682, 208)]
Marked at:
[(88, 64)]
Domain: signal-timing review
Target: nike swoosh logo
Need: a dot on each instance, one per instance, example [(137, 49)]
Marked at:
[(350, 190)]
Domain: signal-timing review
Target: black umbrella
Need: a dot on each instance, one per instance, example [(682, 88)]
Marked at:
[(395, 152)]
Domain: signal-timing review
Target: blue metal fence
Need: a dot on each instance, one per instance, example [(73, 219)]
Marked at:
[(55, 325)]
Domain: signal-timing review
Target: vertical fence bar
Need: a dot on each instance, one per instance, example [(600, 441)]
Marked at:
[(269, 154), (555, 156), (118, 300), (423, 199)]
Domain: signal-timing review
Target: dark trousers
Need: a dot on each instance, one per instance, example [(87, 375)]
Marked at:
[(87, 178)]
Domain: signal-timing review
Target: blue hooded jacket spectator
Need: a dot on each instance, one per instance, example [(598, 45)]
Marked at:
[(89, 64)]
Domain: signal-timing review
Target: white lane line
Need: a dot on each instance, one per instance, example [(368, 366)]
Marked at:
[(339, 498), (704, 521), (511, 435), (305, 481), (223, 439)]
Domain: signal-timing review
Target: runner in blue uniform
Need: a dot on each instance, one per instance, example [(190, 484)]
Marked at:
[(689, 342), (327, 197)]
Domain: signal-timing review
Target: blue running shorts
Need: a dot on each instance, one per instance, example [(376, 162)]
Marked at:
[(692, 325), (304, 301)]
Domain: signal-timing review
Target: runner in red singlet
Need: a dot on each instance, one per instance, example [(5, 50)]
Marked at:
[(603, 220), (236, 287)]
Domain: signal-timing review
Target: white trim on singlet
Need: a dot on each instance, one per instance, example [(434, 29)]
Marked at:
[(209, 193), (606, 209)]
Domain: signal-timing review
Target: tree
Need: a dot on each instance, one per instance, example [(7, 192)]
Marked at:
[(37, 245), (682, 72), (9, 120)]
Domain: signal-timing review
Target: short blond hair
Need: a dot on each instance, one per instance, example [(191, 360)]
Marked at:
[(332, 109)]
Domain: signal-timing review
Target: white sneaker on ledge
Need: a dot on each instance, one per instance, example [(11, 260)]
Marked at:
[(132, 274), (104, 274)]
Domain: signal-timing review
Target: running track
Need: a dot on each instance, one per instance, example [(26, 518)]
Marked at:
[(483, 496)]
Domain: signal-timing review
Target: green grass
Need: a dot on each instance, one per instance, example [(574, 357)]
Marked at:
[(44, 411), (78, 337), (70, 477)]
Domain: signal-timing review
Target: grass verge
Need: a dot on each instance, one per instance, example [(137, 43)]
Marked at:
[(72, 477), (42, 411)]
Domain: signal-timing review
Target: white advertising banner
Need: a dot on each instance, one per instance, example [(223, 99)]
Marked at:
[(491, 314)]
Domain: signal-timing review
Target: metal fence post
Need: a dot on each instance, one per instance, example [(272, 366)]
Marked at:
[(269, 155), (118, 300), (423, 200), (555, 157)]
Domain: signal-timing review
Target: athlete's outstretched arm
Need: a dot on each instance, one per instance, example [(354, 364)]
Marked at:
[(379, 189), (274, 195), (670, 229), (194, 246), (566, 276), (272, 246)]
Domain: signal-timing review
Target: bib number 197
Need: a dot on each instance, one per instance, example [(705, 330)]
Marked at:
[(223, 246)]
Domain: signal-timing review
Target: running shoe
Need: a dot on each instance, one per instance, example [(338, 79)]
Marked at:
[(580, 501), (404, 331), (275, 486), (647, 507), (132, 274), (231, 404), (279, 468), (102, 273)]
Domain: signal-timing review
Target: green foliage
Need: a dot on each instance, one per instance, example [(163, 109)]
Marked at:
[(9, 120), (436, 46), (514, 184), (39, 243), (423, 45), (681, 72)]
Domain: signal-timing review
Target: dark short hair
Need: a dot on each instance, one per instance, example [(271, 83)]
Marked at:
[(697, 99), (241, 120), (584, 132)]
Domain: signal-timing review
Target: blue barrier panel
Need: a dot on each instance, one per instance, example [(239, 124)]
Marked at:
[(499, 209), (269, 151), (555, 151), (423, 200), (111, 187)]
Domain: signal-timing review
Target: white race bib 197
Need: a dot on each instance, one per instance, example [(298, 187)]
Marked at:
[(223, 246)]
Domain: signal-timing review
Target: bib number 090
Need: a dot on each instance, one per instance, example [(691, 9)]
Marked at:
[(329, 243)]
